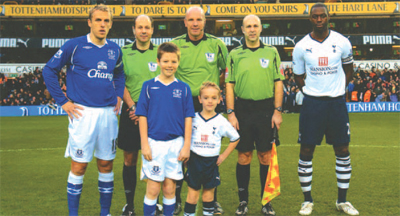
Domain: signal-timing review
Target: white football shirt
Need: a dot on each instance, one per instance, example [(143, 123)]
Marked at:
[(322, 63), (207, 134)]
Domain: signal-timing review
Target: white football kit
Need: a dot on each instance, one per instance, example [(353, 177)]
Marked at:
[(322, 63), (207, 134)]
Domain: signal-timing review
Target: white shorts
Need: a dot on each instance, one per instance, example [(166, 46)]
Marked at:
[(96, 130), (164, 163)]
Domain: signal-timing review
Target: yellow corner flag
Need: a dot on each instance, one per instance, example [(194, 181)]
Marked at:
[(272, 187)]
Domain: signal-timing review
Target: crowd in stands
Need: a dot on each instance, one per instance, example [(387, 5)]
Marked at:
[(367, 86), (145, 2), (27, 89)]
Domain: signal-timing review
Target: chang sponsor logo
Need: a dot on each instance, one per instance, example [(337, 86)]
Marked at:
[(93, 73)]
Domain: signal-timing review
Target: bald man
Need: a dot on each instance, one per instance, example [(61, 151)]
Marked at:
[(255, 79), (203, 58), (140, 64)]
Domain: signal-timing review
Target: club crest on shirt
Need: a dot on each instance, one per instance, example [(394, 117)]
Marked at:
[(264, 63), (152, 66), (210, 57), (334, 48), (79, 153), (204, 138), (214, 128), (102, 65), (177, 93), (156, 170), (111, 54)]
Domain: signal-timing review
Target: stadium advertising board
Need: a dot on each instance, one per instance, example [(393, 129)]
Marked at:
[(279, 40), (354, 107), (31, 110), (19, 68), (45, 110), (364, 64), (214, 10)]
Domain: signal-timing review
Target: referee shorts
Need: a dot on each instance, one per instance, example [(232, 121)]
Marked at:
[(202, 171), (321, 116), (254, 119), (128, 134)]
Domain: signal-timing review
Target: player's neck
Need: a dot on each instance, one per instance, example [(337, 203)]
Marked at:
[(143, 46), (320, 36), (253, 44), (193, 38), (97, 41), (207, 114)]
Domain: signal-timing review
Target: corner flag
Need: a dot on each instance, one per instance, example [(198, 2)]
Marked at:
[(272, 187)]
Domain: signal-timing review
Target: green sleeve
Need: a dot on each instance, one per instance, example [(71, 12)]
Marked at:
[(229, 67), (222, 54), (277, 75)]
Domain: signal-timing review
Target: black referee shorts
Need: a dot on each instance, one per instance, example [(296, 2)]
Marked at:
[(128, 132), (254, 119)]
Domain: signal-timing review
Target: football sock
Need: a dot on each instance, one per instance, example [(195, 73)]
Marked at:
[(215, 195), (243, 179), (129, 178), (305, 171), (74, 190), (190, 209), (343, 175), (168, 206), (263, 177), (208, 208), (149, 206), (106, 188)]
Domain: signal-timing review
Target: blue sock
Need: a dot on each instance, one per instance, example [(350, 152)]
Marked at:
[(169, 206), (106, 188), (149, 207), (74, 190)]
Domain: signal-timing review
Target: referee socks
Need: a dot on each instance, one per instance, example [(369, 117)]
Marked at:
[(129, 178), (243, 179)]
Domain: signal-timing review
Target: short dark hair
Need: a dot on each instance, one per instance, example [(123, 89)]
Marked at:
[(151, 20), (168, 47), (319, 4)]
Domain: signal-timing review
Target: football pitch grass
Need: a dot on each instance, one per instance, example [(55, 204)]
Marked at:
[(34, 172)]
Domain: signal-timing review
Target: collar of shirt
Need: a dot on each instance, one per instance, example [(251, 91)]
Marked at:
[(158, 79), (198, 41), (90, 41), (253, 49), (134, 47)]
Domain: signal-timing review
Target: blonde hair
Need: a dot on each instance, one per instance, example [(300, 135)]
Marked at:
[(209, 84), (100, 7)]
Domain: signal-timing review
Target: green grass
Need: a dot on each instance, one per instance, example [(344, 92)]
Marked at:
[(33, 171)]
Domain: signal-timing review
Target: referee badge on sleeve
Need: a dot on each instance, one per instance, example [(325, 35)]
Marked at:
[(264, 63), (210, 57)]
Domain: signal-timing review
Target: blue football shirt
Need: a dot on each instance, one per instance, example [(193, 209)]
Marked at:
[(95, 74), (166, 107)]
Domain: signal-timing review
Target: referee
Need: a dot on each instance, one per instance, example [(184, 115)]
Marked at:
[(203, 56), (255, 79), (140, 64)]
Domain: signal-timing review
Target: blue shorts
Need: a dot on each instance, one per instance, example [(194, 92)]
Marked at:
[(202, 171), (321, 116)]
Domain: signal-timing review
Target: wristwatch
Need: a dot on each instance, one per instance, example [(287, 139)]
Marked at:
[(230, 111), (133, 107), (279, 109)]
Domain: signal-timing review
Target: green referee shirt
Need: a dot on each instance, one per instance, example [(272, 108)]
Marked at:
[(200, 60), (254, 71), (139, 66)]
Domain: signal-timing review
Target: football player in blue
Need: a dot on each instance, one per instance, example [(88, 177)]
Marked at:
[(165, 110), (95, 86)]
